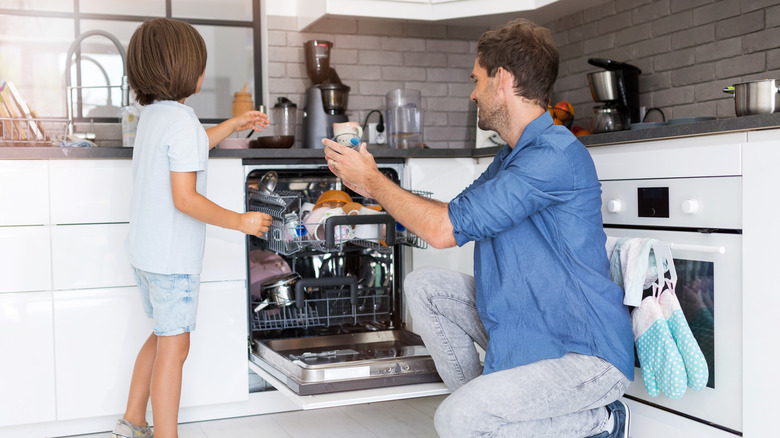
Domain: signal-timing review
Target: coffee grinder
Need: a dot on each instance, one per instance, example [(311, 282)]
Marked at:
[(325, 103), (617, 87)]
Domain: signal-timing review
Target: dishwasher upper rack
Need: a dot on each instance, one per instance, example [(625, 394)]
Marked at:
[(288, 235)]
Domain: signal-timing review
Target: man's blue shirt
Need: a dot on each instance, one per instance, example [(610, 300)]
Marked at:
[(540, 265)]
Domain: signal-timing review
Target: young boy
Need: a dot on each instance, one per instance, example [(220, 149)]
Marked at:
[(169, 212)]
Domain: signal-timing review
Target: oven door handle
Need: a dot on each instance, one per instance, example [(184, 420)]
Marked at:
[(326, 282), (333, 221)]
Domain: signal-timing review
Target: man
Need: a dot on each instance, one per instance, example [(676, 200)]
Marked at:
[(558, 341)]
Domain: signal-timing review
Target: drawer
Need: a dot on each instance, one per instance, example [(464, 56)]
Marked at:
[(25, 258), (88, 256), (24, 192), (90, 191)]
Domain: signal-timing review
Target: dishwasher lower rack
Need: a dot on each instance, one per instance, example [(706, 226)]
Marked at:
[(290, 233), (324, 303)]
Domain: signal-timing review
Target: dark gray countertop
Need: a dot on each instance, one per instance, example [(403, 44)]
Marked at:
[(732, 124)]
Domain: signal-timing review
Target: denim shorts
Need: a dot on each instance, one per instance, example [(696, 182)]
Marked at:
[(170, 299)]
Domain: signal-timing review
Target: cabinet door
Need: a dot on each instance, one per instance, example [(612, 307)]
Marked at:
[(24, 192), (85, 256), (225, 253), (216, 368), (25, 259), (98, 333), (90, 191), (445, 178), (27, 365)]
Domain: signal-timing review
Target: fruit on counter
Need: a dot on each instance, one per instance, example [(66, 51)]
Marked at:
[(579, 131), (563, 106)]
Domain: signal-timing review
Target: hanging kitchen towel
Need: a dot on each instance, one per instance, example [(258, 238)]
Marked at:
[(696, 368), (631, 267)]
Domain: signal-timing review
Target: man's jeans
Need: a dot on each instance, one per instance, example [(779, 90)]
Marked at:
[(562, 397)]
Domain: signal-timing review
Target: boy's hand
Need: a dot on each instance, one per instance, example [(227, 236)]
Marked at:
[(251, 119), (254, 223)]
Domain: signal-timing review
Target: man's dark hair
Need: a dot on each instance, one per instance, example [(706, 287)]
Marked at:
[(525, 50), (165, 59)]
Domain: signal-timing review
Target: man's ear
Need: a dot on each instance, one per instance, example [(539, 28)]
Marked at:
[(506, 82)]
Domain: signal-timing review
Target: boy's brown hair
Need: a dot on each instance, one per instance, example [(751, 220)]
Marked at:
[(165, 59), (525, 50)]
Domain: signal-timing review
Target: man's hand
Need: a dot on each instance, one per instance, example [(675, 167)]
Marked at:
[(356, 167)]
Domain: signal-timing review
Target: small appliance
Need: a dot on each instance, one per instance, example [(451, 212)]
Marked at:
[(617, 88), (403, 111), (326, 101)]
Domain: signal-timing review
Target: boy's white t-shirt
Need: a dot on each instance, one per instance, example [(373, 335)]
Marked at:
[(162, 239)]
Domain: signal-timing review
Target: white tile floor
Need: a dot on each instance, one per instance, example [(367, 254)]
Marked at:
[(411, 418)]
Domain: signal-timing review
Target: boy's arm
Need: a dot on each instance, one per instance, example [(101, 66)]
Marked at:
[(197, 206), (250, 119)]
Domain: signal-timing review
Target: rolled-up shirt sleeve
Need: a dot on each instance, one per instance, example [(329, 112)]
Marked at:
[(516, 192)]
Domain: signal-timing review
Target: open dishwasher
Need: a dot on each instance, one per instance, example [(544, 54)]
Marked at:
[(325, 299)]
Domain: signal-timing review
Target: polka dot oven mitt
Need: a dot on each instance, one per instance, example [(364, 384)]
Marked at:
[(695, 364), (660, 360)]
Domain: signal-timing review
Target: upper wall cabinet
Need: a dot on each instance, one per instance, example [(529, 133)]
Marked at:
[(489, 13)]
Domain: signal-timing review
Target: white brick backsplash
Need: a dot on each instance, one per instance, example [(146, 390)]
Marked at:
[(688, 50)]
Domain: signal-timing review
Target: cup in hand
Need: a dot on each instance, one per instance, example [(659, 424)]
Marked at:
[(347, 134)]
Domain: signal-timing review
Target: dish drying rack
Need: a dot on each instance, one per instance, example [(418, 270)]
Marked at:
[(15, 131), (324, 302), (288, 232)]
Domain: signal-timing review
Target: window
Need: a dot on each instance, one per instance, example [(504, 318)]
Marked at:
[(35, 36)]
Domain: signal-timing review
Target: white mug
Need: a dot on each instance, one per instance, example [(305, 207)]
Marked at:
[(367, 231), (344, 133)]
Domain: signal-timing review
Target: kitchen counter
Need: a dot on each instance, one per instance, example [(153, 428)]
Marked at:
[(730, 124)]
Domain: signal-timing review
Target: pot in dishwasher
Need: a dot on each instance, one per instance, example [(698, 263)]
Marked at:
[(343, 329)]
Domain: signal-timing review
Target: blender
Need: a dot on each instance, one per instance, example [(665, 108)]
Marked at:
[(283, 119), (326, 101), (617, 87)]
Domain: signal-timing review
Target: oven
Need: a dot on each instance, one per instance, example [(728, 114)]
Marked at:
[(698, 210), (324, 297)]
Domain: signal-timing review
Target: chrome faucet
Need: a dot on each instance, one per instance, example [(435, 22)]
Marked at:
[(125, 87)]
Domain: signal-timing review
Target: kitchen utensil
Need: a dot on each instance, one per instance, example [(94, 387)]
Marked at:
[(608, 118), (617, 85), (754, 97), (267, 183), (272, 141), (280, 290), (316, 53), (337, 198), (264, 265), (325, 104), (403, 111)]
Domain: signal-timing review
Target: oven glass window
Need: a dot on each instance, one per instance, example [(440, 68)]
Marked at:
[(695, 287)]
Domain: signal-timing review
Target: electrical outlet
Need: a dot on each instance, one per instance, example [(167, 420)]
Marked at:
[(375, 137)]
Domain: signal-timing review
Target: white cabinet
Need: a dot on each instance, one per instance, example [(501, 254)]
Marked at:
[(25, 258), (467, 12), (216, 370), (445, 178), (90, 191), (98, 333), (88, 256), (24, 192), (27, 364), (225, 255)]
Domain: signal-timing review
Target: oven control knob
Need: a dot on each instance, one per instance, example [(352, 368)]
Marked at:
[(615, 206), (691, 206)]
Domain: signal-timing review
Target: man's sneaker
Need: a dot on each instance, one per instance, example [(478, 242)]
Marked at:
[(126, 429), (622, 419)]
